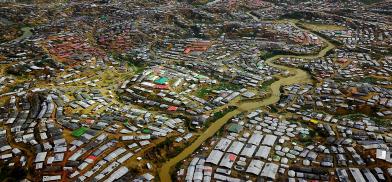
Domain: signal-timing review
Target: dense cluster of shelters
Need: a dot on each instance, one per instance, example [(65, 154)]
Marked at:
[(90, 90)]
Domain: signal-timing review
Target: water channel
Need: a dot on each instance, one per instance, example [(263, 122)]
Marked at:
[(299, 76)]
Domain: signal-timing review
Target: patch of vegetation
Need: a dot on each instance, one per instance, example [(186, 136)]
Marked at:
[(272, 53), (273, 109), (370, 1), (265, 85), (383, 122), (297, 15), (380, 54), (318, 26), (164, 151), (330, 52), (177, 167), (371, 80), (132, 60), (219, 114), (221, 132), (136, 69), (266, 55), (335, 42), (353, 116), (215, 116), (9, 174), (17, 70), (205, 91), (188, 124), (307, 139), (379, 121), (199, 2), (226, 86)]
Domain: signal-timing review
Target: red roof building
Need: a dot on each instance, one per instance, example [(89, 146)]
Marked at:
[(158, 86), (172, 108)]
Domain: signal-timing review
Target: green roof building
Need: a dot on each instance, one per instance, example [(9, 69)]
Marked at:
[(79, 132), (162, 80), (146, 131)]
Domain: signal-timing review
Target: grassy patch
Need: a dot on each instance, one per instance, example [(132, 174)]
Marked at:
[(371, 80), (265, 85), (131, 59), (379, 121), (266, 54), (205, 91), (166, 150), (227, 86), (199, 2), (135, 68), (219, 114), (370, 1), (319, 26), (383, 122)]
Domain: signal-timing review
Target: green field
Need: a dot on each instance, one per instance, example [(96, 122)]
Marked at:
[(203, 92)]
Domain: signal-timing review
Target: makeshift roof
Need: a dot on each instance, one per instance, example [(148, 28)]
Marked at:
[(315, 121), (146, 131), (233, 127), (161, 80), (79, 132), (172, 108), (200, 76)]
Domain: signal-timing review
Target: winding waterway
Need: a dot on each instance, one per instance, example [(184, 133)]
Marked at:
[(299, 76)]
